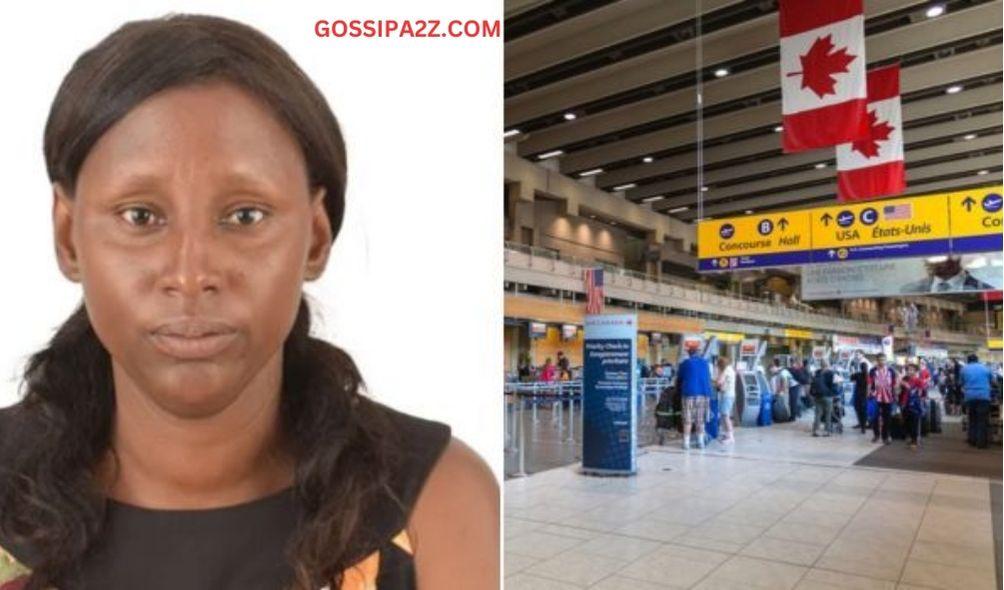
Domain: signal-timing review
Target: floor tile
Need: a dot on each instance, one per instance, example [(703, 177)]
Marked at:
[(793, 552), (818, 579), (619, 547), (759, 573), (573, 567), (937, 575), (540, 545), (522, 581)]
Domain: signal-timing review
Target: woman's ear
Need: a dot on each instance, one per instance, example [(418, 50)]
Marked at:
[(320, 236), (62, 227)]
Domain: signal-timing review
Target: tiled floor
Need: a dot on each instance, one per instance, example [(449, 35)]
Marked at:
[(779, 510)]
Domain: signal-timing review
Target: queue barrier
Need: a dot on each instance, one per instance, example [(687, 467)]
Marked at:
[(555, 395)]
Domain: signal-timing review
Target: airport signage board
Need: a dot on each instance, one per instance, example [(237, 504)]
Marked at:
[(970, 273), (609, 411), (961, 222), (754, 241)]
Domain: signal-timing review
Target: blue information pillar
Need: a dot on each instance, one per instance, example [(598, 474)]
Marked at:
[(609, 414)]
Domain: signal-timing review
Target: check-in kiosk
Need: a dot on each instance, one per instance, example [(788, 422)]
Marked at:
[(752, 382)]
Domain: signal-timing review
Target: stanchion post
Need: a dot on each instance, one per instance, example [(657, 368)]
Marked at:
[(521, 441)]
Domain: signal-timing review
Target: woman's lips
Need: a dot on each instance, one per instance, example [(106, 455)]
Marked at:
[(192, 339)]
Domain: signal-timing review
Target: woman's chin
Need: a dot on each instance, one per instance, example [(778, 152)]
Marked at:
[(191, 396)]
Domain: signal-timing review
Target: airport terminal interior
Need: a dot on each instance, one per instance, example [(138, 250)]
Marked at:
[(640, 135)]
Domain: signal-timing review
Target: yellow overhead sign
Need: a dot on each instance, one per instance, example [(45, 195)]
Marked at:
[(800, 334), (959, 222), (995, 343), (727, 337), (898, 224), (772, 237)]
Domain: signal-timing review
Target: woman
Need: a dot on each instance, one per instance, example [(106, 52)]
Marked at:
[(183, 429), (548, 371), (726, 386), (913, 400)]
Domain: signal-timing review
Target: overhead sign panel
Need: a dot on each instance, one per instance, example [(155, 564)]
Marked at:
[(883, 229), (976, 221), (948, 223), (754, 241)]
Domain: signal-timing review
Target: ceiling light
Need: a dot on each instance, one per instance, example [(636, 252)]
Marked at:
[(592, 172), (648, 159), (704, 189), (721, 72), (592, 217), (935, 11), (569, 116), (612, 222), (679, 209), (983, 173), (937, 259), (550, 154), (624, 187), (954, 89), (778, 129), (510, 133), (749, 212), (820, 165), (969, 136), (650, 199)]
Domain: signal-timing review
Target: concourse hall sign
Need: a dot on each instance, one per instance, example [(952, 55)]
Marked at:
[(960, 222)]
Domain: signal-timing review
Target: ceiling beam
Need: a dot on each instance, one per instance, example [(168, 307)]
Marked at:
[(889, 44), (960, 67)]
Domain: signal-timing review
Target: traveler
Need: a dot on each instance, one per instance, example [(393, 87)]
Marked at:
[(801, 380), (726, 385), (860, 379), (547, 372), (913, 400), (881, 387), (823, 391), (976, 380), (694, 379), (564, 370)]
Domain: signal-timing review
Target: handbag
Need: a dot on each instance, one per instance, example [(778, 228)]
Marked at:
[(871, 408)]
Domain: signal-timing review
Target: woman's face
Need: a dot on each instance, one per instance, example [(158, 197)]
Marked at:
[(191, 230)]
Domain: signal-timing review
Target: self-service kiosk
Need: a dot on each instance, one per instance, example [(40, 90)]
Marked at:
[(752, 383)]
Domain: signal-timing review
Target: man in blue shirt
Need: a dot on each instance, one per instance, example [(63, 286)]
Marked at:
[(976, 380), (693, 379)]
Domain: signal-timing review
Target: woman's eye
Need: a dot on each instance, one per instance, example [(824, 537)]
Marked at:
[(245, 216), (139, 216)]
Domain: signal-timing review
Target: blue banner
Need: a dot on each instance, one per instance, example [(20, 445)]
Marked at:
[(609, 414)]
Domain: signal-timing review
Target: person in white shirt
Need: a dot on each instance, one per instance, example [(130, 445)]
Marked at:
[(726, 386)]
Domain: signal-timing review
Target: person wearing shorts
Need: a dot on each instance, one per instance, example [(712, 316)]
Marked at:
[(726, 385), (694, 382)]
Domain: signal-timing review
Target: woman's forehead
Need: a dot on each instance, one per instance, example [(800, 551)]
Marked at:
[(212, 130)]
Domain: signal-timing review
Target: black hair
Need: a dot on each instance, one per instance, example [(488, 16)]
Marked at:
[(340, 440)]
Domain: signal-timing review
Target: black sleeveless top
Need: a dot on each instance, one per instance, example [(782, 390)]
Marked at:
[(243, 546)]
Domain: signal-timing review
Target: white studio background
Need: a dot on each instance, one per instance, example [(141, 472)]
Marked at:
[(412, 289)]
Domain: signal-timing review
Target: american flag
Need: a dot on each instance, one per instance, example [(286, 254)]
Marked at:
[(903, 211), (594, 290)]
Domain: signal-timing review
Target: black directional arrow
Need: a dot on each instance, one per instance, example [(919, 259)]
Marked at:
[(826, 218), (783, 223), (968, 203)]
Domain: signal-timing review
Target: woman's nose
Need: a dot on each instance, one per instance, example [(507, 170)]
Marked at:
[(192, 267)]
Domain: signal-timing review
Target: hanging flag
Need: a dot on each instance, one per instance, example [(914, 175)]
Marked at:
[(823, 92), (594, 290), (873, 166)]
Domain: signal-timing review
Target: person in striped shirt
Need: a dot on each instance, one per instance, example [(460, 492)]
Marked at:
[(882, 381)]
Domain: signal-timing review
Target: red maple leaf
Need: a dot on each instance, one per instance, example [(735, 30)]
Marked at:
[(876, 132), (820, 64)]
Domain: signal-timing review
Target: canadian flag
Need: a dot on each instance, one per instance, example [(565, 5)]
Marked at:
[(873, 166), (823, 93)]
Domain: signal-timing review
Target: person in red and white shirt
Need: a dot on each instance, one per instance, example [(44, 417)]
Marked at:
[(882, 381)]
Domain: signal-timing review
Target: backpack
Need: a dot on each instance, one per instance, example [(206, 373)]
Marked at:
[(819, 388)]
